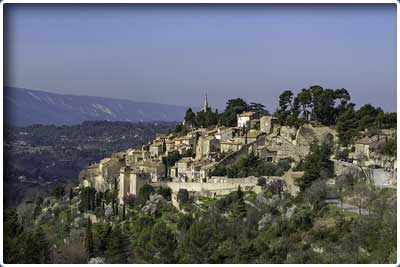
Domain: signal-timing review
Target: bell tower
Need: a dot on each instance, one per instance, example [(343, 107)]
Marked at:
[(205, 105)]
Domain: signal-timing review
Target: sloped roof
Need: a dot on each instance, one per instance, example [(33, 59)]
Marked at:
[(247, 114)]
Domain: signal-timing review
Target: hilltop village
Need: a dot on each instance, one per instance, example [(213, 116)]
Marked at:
[(193, 159), (313, 183)]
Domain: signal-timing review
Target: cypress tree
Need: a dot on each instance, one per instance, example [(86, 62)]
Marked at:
[(42, 245), (123, 212), (89, 248), (71, 195), (240, 208), (117, 247)]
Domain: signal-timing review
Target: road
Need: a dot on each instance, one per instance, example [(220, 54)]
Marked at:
[(347, 207)]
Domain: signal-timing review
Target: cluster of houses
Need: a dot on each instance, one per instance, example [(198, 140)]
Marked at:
[(203, 150)]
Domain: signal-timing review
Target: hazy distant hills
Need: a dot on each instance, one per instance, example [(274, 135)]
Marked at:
[(24, 107)]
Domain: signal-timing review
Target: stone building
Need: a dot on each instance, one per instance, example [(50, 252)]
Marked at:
[(224, 134), (206, 146), (156, 149), (245, 118), (100, 176), (231, 145), (267, 153), (369, 152), (155, 169), (130, 182), (267, 124), (184, 169)]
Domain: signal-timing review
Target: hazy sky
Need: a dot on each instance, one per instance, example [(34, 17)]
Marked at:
[(174, 54)]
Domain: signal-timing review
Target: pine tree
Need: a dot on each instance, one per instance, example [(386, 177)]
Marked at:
[(89, 248)]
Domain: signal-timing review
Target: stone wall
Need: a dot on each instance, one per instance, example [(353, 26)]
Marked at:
[(210, 189)]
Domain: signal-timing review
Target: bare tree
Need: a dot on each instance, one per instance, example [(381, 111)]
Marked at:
[(360, 196), (316, 193), (343, 183)]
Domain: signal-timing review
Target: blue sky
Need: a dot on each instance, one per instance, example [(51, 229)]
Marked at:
[(175, 53)]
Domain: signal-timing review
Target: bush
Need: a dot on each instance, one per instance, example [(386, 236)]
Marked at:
[(165, 191), (57, 191), (144, 194), (130, 199), (183, 196), (261, 181)]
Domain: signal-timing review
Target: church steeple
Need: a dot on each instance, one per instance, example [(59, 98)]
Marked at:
[(205, 105)]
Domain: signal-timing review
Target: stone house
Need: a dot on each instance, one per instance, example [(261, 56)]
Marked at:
[(267, 153), (267, 124), (188, 140), (207, 145), (154, 169), (206, 169), (156, 149), (184, 169), (224, 134), (231, 145), (131, 180), (368, 151), (133, 156), (245, 118), (170, 145)]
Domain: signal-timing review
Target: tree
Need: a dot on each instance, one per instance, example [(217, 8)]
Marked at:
[(199, 243), (390, 147), (117, 247), (144, 194), (342, 184), (240, 208), (275, 187), (261, 181), (162, 243), (183, 196), (366, 116), (190, 117), (316, 193), (87, 197), (259, 109), (71, 195), (130, 199), (233, 107), (57, 191), (316, 165), (360, 196), (12, 243), (35, 247), (285, 106), (89, 247), (123, 211), (184, 222), (165, 191), (304, 98), (101, 235), (346, 126)]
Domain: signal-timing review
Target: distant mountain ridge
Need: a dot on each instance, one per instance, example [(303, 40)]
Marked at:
[(24, 107)]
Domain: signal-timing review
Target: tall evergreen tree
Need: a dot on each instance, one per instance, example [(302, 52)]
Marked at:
[(240, 209), (88, 242), (117, 248)]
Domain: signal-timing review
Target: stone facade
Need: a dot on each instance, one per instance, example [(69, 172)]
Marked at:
[(130, 182), (267, 123), (243, 120)]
